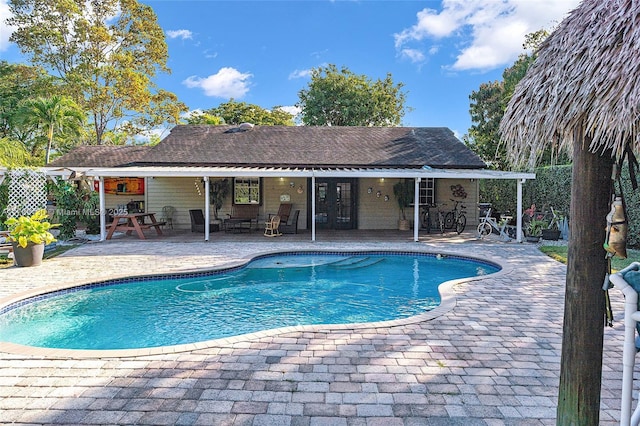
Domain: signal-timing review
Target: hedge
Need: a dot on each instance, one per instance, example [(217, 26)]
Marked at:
[(552, 187)]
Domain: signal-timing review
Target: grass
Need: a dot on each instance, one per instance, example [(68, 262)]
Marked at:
[(559, 253)]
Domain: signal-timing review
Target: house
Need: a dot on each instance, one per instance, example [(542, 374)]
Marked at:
[(338, 177)]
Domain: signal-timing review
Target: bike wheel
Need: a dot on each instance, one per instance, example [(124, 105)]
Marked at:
[(484, 229), (449, 220), (461, 223), (441, 222), (425, 222)]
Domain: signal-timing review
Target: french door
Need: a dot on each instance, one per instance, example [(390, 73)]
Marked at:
[(336, 204)]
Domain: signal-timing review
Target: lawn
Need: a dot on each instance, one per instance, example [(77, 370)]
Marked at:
[(559, 253)]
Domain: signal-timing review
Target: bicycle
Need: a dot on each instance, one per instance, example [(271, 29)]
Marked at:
[(429, 224), (489, 225), (456, 219)]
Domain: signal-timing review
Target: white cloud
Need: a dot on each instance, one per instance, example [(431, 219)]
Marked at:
[(414, 55), (5, 30), (490, 33), (299, 74), (291, 109), (227, 83), (183, 34)]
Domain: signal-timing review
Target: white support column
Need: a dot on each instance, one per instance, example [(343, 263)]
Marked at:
[(206, 208), (519, 211), (102, 209), (313, 208), (416, 210)]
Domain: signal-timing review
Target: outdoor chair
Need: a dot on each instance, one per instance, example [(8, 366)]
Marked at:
[(283, 211), (197, 221), (271, 227), (167, 215), (291, 225)]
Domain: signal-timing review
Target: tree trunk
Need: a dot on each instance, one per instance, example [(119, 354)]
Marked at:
[(584, 313)]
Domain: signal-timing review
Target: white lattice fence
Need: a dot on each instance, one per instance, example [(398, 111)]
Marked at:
[(27, 192)]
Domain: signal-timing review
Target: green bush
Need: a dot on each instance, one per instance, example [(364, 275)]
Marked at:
[(552, 187), (548, 189)]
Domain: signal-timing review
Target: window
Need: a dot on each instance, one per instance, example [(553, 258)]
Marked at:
[(246, 190), (427, 192)]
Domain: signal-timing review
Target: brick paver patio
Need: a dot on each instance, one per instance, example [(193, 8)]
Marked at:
[(493, 359)]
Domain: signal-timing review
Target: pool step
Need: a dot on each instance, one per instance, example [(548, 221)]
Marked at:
[(354, 262)]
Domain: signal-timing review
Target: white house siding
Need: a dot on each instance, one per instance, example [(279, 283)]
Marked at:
[(373, 211), (376, 213), (444, 195), (180, 193), (275, 188)]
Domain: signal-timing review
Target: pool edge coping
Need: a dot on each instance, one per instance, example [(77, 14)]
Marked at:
[(445, 289)]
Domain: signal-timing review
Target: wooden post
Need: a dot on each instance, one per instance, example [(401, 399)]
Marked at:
[(583, 329)]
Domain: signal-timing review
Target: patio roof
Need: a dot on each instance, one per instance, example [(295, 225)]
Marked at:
[(356, 172)]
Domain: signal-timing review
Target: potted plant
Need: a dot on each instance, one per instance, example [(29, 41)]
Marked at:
[(218, 191), (29, 235), (403, 191), (534, 229)]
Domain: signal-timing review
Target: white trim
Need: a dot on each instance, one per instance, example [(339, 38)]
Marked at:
[(356, 172)]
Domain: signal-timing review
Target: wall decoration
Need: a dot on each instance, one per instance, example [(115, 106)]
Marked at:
[(458, 191), (133, 186)]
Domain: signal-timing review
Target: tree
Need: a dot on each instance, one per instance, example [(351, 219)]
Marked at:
[(54, 116), (569, 95), (106, 52), (14, 154), (341, 98), (233, 112), (204, 118), (17, 83), (487, 108)]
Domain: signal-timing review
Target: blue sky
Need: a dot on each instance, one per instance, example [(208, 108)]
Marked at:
[(260, 52)]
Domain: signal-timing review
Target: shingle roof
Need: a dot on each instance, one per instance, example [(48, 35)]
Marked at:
[(100, 156), (300, 146)]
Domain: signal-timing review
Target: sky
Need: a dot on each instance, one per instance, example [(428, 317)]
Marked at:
[(261, 52)]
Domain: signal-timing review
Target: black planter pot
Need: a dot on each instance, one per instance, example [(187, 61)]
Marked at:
[(550, 234), (31, 255)]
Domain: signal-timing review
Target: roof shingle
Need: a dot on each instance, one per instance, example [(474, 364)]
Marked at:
[(294, 146)]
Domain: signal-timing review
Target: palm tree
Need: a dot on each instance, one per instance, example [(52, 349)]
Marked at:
[(55, 115), (13, 153), (582, 91)]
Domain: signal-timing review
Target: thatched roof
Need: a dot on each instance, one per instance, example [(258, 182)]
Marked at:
[(586, 75)]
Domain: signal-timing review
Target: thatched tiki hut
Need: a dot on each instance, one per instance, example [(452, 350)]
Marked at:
[(582, 92)]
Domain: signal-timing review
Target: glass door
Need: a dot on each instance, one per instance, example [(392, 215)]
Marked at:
[(335, 204)]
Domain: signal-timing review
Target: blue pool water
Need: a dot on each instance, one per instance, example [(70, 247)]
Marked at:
[(269, 292)]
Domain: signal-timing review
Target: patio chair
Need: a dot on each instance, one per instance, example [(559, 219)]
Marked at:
[(284, 211), (271, 227), (291, 225), (167, 215), (197, 221)]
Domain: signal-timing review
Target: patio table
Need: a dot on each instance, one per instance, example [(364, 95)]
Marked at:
[(134, 222)]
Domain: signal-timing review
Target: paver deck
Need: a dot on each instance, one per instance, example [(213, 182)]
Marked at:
[(493, 359)]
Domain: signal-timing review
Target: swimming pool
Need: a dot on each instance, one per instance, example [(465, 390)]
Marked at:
[(270, 291)]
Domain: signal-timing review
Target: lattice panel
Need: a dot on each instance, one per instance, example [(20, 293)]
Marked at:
[(27, 192)]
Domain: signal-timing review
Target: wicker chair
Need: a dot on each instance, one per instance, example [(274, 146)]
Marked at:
[(291, 225)]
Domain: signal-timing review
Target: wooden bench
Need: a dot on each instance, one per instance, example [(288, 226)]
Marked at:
[(243, 216)]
